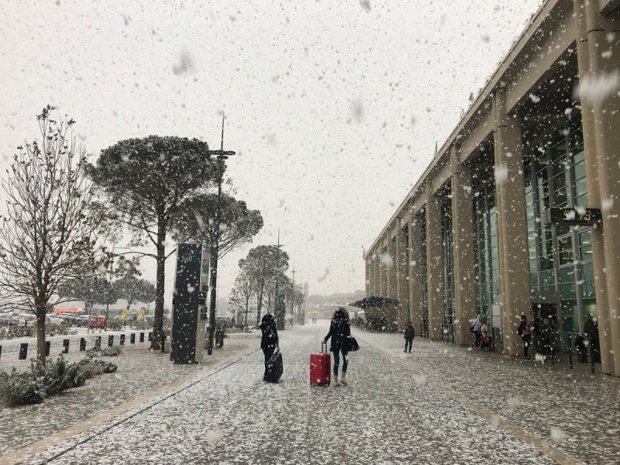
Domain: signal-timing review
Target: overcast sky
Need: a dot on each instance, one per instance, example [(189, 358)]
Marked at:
[(334, 107)]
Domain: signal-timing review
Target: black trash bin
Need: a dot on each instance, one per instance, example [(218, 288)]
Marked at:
[(23, 351)]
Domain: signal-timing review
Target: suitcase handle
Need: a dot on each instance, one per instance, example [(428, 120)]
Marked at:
[(323, 345)]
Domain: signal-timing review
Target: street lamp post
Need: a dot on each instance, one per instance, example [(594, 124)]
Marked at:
[(221, 156)]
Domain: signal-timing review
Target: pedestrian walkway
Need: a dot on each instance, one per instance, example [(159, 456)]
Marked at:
[(141, 375), (440, 404)]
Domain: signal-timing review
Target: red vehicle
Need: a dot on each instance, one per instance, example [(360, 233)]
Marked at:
[(97, 322)]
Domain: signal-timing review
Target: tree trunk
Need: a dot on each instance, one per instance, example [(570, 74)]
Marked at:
[(259, 305), (158, 316), (40, 313)]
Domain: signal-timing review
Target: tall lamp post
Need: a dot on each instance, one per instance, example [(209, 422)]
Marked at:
[(221, 155)]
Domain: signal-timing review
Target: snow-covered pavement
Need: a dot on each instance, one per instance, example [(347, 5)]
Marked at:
[(441, 404)]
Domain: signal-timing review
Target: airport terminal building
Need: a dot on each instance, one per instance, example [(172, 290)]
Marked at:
[(519, 211)]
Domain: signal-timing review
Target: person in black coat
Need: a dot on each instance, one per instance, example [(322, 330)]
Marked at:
[(339, 332), (270, 340), (409, 335)]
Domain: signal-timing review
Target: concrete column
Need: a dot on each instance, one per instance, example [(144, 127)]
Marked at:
[(416, 283), (376, 289), (391, 265), (464, 256), (511, 223), (434, 267), (598, 49), (383, 269), (402, 278)]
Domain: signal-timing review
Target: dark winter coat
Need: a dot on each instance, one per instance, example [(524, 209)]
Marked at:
[(409, 332), (270, 333), (339, 331)]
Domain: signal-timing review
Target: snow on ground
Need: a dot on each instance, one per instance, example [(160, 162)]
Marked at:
[(384, 415), (440, 404), (139, 372)]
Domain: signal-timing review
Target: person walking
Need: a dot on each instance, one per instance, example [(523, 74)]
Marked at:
[(409, 335), (526, 335), (339, 332), (475, 328), (269, 340)]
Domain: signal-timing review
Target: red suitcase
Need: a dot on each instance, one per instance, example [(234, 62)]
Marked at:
[(320, 364)]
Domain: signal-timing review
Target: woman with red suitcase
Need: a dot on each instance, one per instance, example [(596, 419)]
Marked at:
[(339, 331)]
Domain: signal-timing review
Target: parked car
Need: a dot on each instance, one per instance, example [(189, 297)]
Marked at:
[(6, 319), (97, 322), (82, 321), (24, 319), (54, 320)]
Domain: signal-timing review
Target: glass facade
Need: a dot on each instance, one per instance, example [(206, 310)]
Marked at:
[(560, 255), (448, 267), (487, 255), (421, 217)]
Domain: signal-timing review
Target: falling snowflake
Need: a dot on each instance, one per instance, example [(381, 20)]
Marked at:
[(501, 174)]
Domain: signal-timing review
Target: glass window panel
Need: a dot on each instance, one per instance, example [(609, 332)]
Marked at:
[(566, 274), (589, 307), (580, 170), (548, 278), (585, 245), (582, 200), (578, 155), (581, 187), (567, 291), (565, 246)]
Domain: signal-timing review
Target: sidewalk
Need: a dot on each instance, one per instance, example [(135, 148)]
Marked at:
[(140, 373), (577, 411), (440, 404)]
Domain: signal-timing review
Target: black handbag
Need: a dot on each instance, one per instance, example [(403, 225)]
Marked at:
[(353, 345)]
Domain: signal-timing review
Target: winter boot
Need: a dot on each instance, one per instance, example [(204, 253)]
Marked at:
[(342, 379), (336, 383)]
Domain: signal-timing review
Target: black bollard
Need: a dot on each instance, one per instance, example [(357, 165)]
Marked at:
[(82, 344), (570, 351), (23, 351), (132, 338), (98, 342), (110, 341), (47, 348), (65, 346), (141, 337), (122, 342), (163, 341)]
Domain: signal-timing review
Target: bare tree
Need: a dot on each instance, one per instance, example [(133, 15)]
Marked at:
[(48, 236), (242, 293)]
